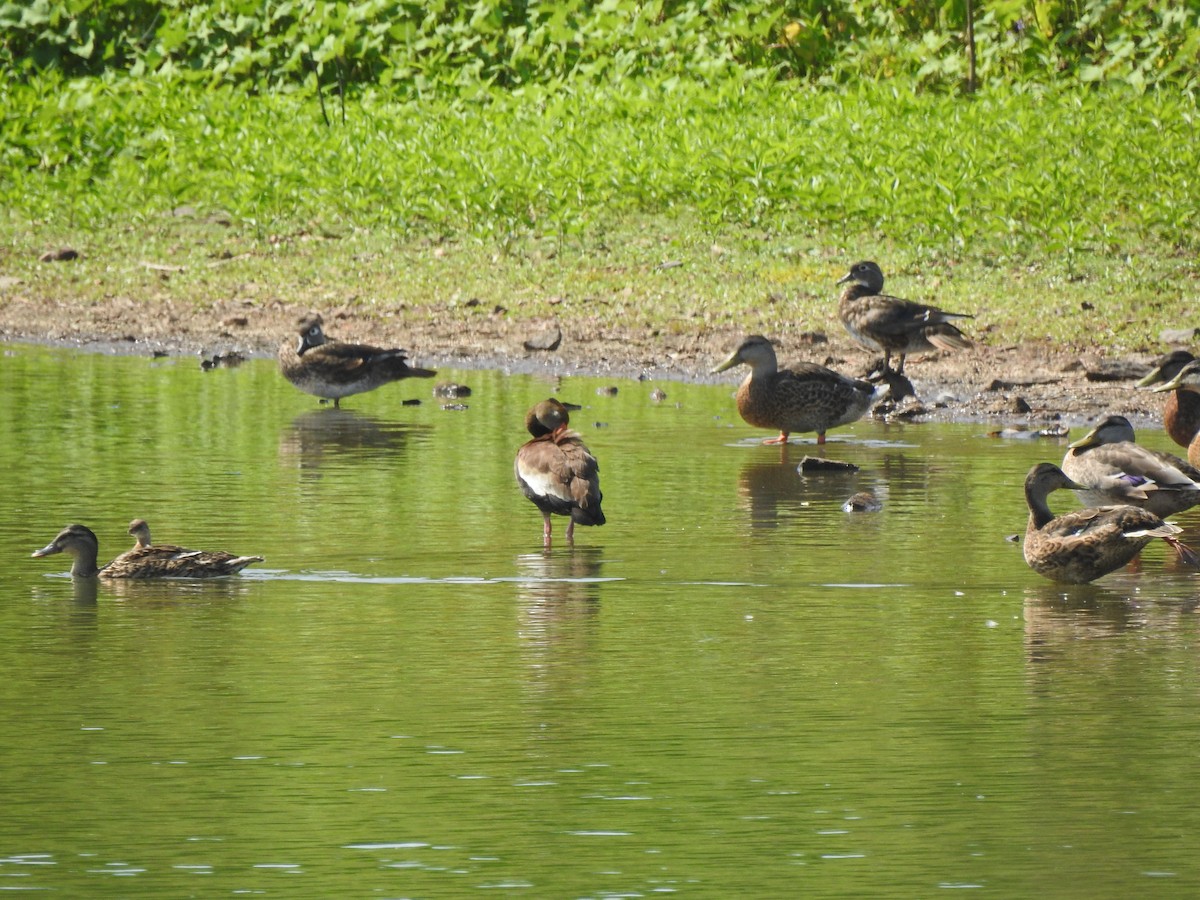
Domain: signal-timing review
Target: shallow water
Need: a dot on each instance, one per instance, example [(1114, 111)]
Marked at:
[(732, 689)]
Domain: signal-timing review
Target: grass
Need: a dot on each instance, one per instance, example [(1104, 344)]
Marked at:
[(1050, 213)]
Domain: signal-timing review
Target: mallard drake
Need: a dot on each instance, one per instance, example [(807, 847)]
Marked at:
[(1079, 547), (891, 325), (1187, 381), (1181, 412), (144, 560), (330, 369), (1115, 470), (557, 472), (806, 397)]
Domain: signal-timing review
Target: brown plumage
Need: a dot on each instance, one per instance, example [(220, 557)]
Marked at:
[(805, 397), (1082, 546), (1181, 412), (330, 369), (144, 560), (1116, 470), (557, 472), (891, 325), (1187, 381)]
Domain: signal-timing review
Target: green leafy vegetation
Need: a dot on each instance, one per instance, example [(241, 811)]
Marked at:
[(557, 146)]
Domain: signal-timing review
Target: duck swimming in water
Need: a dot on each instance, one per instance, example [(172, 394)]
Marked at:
[(143, 561), (1081, 546)]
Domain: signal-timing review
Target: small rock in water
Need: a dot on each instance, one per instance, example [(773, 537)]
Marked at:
[(606, 391), (863, 501), (820, 464), (658, 395), (413, 401)]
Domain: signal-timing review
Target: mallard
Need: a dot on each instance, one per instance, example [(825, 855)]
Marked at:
[(557, 472), (1115, 470), (1187, 380), (891, 325), (806, 397), (1181, 412), (332, 370), (1079, 547), (144, 560)]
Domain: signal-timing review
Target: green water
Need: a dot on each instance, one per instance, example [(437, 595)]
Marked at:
[(732, 689)]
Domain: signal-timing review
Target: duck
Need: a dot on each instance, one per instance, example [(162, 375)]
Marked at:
[(891, 325), (1181, 412), (1115, 470), (143, 560), (556, 471), (1186, 381), (805, 397), (331, 370), (1081, 546)]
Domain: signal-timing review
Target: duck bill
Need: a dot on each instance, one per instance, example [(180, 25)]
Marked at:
[(1088, 440), (1075, 486), (1153, 377), (728, 364), (1172, 385), (849, 276), (48, 550)]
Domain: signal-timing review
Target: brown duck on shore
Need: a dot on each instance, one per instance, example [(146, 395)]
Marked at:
[(1187, 381), (1113, 470), (1081, 546), (805, 397), (891, 325), (144, 560), (557, 472), (1181, 412), (330, 369)]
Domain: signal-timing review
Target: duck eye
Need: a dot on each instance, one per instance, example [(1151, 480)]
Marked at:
[(315, 330)]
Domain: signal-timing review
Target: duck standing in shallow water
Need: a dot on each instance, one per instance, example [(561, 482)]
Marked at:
[(1115, 470), (1079, 547), (557, 472), (144, 560), (1181, 412), (890, 325), (330, 369), (806, 397), (1187, 380)]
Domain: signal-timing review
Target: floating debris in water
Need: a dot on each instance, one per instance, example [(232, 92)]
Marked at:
[(1024, 434), (606, 391), (451, 390), (820, 464), (863, 501), (658, 395), (454, 407), (413, 401), (222, 360)]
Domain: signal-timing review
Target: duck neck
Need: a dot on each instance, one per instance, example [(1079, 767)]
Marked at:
[(84, 565), (854, 290), (1039, 509)]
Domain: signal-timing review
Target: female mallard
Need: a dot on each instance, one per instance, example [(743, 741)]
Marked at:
[(806, 397), (557, 472), (1081, 546), (1181, 412), (144, 560), (891, 325), (332, 370), (1115, 470), (1187, 380)]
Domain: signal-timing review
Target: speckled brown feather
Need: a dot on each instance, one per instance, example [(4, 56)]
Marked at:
[(142, 561), (1079, 547), (331, 369), (889, 324)]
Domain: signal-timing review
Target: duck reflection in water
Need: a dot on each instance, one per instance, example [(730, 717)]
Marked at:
[(559, 605), (333, 433)]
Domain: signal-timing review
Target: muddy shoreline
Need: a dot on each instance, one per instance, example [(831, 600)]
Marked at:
[(1034, 385)]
